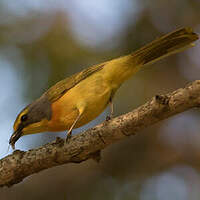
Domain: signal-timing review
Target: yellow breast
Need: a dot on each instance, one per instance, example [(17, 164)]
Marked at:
[(92, 92)]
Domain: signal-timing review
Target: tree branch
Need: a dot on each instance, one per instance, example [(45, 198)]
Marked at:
[(15, 167)]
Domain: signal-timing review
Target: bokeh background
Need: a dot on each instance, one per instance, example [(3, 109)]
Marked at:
[(42, 42)]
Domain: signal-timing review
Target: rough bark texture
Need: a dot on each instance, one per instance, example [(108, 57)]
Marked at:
[(15, 167)]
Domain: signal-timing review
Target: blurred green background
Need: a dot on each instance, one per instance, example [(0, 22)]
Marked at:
[(42, 42)]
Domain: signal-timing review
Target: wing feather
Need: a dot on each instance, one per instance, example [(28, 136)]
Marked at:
[(60, 88)]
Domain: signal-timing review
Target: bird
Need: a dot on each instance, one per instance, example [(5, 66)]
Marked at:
[(80, 98)]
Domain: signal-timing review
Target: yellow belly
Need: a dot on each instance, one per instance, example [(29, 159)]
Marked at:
[(93, 93)]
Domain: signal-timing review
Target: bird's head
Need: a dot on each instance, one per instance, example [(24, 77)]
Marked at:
[(32, 119)]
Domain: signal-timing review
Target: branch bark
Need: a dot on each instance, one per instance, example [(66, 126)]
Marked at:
[(15, 167)]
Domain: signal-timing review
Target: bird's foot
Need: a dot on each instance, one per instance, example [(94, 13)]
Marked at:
[(69, 135), (109, 117)]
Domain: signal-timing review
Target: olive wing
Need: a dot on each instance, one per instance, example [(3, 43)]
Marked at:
[(60, 88)]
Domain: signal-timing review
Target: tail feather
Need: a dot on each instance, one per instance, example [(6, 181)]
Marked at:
[(166, 45)]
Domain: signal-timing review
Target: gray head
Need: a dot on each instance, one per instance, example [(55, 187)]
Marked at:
[(32, 119)]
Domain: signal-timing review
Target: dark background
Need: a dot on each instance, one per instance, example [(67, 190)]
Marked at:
[(42, 42)]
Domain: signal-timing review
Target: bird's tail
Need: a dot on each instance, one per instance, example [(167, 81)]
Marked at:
[(120, 69), (166, 45)]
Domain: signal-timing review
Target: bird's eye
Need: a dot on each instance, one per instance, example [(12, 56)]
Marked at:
[(24, 118)]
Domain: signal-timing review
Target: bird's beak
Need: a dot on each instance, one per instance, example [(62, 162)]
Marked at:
[(14, 137)]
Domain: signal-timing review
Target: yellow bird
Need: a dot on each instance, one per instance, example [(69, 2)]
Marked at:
[(77, 100)]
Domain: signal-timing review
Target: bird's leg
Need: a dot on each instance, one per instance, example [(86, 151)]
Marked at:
[(109, 117), (69, 132), (81, 109)]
